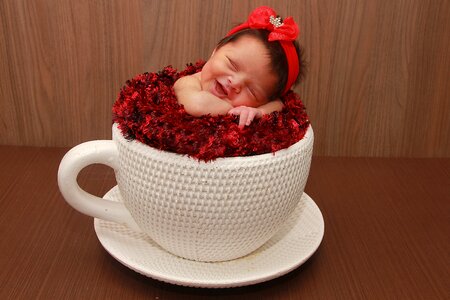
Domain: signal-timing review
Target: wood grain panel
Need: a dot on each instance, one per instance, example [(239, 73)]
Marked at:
[(377, 77), (179, 32), (64, 63), (377, 80)]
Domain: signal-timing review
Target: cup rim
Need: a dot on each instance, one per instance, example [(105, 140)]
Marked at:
[(173, 157)]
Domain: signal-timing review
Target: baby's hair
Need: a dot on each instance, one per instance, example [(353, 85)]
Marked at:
[(277, 55)]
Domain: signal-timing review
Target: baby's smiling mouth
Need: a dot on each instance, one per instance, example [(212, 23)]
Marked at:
[(221, 90)]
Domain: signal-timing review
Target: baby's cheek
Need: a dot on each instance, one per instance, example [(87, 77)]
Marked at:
[(243, 100)]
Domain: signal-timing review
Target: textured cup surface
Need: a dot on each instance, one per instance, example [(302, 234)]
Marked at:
[(213, 211)]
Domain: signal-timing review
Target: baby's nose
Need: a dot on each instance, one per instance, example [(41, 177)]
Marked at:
[(236, 83)]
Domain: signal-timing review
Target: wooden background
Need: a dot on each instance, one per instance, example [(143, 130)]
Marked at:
[(377, 82)]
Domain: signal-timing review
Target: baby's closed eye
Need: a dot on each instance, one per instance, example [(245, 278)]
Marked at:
[(233, 65), (252, 91)]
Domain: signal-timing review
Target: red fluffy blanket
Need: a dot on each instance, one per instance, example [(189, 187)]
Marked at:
[(147, 110)]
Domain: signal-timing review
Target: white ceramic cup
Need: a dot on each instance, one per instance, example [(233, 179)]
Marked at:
[(213, 211)]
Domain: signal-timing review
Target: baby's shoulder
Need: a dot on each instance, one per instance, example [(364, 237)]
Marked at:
[(188, 81)]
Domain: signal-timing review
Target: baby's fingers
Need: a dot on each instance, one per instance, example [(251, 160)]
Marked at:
[(235, 110), (246, 114), (243, 118), (250, 116)]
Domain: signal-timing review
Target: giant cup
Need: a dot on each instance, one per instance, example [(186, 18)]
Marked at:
[(204, 211)]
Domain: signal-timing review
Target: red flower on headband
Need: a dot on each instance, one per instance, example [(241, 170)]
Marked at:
[(265, 17)]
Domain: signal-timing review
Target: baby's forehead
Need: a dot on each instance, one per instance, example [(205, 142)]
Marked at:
[(252, 48)]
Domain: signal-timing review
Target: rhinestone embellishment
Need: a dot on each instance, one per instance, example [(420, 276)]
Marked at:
[(276, 22)]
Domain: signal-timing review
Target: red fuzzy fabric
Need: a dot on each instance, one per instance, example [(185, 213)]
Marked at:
[(147, 110)]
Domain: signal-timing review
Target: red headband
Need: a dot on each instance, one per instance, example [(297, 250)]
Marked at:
[(285, 32)]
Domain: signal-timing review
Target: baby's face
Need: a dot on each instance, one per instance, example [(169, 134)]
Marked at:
[(239, 72)]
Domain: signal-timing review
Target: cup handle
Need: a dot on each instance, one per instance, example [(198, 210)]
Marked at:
[(80, 156)]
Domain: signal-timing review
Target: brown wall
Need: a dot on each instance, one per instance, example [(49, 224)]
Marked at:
[(377, 83)]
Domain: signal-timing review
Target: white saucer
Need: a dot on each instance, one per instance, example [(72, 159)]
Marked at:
[(296, 241)]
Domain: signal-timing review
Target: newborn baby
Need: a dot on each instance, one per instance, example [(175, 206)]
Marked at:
[(247, 73)]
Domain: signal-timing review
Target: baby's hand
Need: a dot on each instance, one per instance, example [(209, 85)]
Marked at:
[(246, 114)]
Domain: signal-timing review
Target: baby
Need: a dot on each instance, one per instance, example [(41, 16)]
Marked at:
[(247, 73)]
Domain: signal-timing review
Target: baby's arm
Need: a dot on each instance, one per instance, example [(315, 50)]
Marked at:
[(247, 114), (196, 102)]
